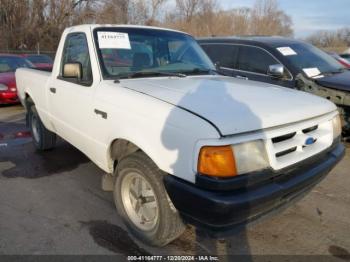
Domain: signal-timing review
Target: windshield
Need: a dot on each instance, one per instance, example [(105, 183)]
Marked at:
[(40, 59), (309, 57), (11, 63), (124, 51)]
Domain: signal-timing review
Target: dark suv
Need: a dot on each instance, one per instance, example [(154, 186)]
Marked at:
[(285, 62)]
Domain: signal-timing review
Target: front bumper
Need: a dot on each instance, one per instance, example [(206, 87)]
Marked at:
[(8, 98), (219, 210)]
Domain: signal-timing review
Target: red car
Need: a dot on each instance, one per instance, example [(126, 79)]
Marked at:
[(42, 62), (346, 57), (8, 66), (341, 60)]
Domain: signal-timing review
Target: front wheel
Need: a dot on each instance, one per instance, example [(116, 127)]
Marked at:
[(43, 138), (143, 203)]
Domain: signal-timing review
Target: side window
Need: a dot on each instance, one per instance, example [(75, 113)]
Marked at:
[(76, 51), (253, 59), (226, 55)]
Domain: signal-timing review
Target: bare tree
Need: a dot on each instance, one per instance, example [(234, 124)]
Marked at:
[(39, 23), (113, 12), (268, 19), (14, 24), (33, 23), (187, 9), (194, 16), (205, 18), (145, 11), (337, 40)]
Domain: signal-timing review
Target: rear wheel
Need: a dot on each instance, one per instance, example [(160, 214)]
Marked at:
[(43, 138), (143, 203)]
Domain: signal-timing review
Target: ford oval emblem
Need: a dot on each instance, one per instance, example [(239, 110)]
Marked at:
[(310, 141)]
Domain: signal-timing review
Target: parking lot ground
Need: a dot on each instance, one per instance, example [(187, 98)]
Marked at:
[(52, 203)]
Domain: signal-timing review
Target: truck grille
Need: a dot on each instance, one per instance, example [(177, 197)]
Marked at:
[(296, 145)]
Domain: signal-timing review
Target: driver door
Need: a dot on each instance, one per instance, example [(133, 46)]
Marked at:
[(71, 100)]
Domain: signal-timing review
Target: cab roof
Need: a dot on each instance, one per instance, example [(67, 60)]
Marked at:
[(94, 26), (266, 40)]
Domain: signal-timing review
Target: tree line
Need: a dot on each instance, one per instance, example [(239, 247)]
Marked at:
[(38, 24), (337, 40)]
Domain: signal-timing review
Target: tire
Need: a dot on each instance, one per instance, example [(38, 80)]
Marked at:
[(161, 223), (43, 139)]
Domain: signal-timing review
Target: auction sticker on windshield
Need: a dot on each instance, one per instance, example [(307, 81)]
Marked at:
[(286, 51), (312, 72), (113, 40)]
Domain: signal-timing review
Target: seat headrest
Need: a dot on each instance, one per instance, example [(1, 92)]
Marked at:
[(141, 60)]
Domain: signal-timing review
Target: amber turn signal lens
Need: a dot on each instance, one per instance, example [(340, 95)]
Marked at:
[(217, 161)]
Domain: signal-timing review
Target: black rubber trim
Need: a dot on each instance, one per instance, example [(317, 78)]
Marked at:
[(101, 113), (75, 81), (223, 211), (185, 109), (239, 182)]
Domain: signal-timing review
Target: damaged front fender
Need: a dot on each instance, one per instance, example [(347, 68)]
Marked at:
[(340, 98)]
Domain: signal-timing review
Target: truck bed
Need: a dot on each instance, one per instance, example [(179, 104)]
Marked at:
[(32, 82)]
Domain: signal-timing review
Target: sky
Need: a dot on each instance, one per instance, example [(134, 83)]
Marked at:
[(308, 16)]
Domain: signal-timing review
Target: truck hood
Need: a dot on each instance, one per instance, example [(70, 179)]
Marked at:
[(338, 81), (233, 105)]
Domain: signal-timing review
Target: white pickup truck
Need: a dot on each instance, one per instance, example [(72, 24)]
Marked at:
[(179, 143)]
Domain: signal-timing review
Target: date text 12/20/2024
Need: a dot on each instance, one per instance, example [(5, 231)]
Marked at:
[(173, 258)]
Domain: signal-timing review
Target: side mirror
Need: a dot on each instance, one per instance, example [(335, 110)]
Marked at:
[(72, 70), (217, 66), (276, 71)]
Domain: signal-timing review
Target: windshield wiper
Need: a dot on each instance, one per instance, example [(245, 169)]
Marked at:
[(149, 74), (202, 71), (341, 70)]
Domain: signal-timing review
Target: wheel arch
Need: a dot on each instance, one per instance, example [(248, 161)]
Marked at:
[(27, 103), (120, 148), (28, 100)]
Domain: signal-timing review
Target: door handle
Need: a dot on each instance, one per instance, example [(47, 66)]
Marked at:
[(53, 90), (242, 77), (101, 113)]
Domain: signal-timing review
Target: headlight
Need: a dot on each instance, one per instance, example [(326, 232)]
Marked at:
[(229, 161), (336, 127), (3, 87), (250, 156)]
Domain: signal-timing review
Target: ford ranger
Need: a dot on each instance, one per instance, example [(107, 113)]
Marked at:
[(179, 143)]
